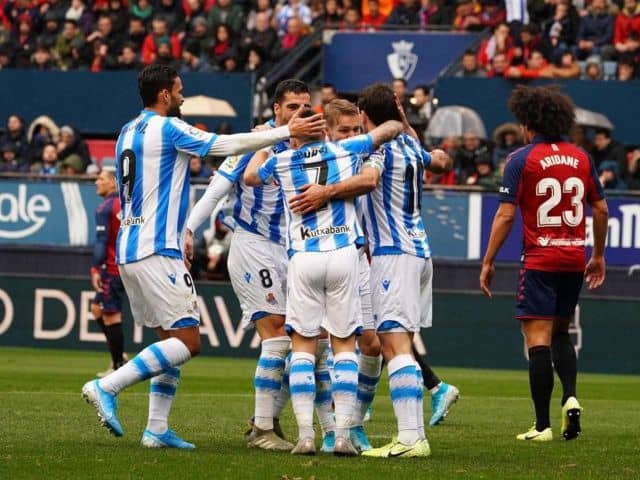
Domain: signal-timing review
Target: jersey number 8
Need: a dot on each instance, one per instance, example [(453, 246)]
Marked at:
[(571, 185)]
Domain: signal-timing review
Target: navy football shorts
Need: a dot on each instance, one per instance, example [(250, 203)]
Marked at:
[(110, 299), (547, 295)]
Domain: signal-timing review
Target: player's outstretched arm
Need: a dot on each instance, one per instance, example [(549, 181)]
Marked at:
[(249, 142), (251, 176), (596, 268), (385, 132), (441, 161), (502, 223)]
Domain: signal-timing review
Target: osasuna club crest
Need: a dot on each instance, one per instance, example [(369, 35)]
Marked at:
[(402, 62)]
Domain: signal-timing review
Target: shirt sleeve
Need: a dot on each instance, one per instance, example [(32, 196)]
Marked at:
[(233, 167), (189, 139), (376, 160), (512, 172), (267, 170), (359, 145), (595, 191)]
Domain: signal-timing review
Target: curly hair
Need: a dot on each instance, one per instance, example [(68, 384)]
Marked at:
[(544, 110)]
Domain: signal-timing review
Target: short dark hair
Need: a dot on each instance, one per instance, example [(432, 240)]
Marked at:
[(603, 131), (289, 86), (379, 103), (424, 88), (331, 86), (544, 110), (469, 52), (152, 80), (399, 79)]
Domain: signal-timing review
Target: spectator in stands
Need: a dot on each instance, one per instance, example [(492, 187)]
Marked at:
[(262, 35), (626, 35), (42, 131), (42, 59), (626, 71), (224, 45), (578, 135), (328, 93), (199, 169), (373, 18), (71, 143), (6, 57), (506, 138), (50, 32), (499, 42), (492, 13), (194, 9), (351, 20), (595, 32), (567, 67), (136, 33), (160, 31), (256, 62), (332, 14), (528, 39), (561, 31), (593, 70), (419, 111), (192, 59), (466, 17), (119, 17), (608, 149), (261, 6), (483, 175), (69, 34), (225, 11), (469, 67), (163, 54), (142, 9), (173, 13), (540, 11), (399, 87), (72, 165), (536, 67), (83, 16), (47, 161), (111, 42), (499, 66), (14, 10), (610, 177), (11, 162), (128, 58), (465, 158), (199, 32), (292, 9), (15, 136), (295, 32), (23, 42), (405, 14), (435, 12), (634, 170)]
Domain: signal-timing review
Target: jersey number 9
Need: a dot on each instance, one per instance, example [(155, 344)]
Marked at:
[(127, 172)]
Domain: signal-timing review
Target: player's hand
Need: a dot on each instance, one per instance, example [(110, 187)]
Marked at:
[(595, 272), (96, 282), (486, 276), (306, 127), (188, 248), (312, 198)]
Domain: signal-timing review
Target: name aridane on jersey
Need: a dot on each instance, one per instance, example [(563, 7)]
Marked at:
[(153, 178), (259, 210), (392, 211), (333, 226)]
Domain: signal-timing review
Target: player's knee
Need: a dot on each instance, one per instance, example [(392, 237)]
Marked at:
[(194, 348)]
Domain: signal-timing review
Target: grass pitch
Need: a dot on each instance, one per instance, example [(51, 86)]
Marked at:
[(47, 431)]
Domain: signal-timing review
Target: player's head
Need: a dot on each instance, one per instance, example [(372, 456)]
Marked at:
[(327, 93), (289, 96), (160, 87), (542, 110), (378, 104), (106, 182), (343, 119)]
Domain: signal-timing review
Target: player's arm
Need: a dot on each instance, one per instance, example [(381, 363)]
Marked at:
[(441, 161), (216, 191), (100, 247), (250, 142), (252, 175), (596, 269), (502, 224), (385, 132)]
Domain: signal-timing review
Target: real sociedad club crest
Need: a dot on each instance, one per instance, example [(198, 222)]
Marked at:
[(402, 62)]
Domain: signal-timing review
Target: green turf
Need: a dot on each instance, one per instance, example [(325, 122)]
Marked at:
[(47, 431)]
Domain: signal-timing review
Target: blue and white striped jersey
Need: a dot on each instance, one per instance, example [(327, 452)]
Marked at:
[(258, 210), (335, 225), (152, 154), (392, 211)]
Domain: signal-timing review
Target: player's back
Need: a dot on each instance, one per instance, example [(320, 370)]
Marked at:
[(393, 209), (557, 179), (335, 225), (153, 177)]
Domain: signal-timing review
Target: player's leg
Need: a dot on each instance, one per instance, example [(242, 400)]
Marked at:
[(564, 354), (323, 401), (96, 311), (113, 292)]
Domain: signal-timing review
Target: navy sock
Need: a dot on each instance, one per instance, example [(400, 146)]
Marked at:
[(565, 363)]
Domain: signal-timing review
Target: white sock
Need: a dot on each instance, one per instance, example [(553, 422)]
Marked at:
[(330, 360), (303, 390), (283, 395), (323, 399), (268, 379), (368, 377), (403, 386), (162, 390), (345, 390), (153, 360), (420, 401)]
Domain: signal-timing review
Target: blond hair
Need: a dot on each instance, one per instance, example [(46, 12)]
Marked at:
[(338, 107)]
